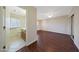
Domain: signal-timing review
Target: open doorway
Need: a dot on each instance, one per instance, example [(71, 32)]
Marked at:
[(15, 28), (72, 26)]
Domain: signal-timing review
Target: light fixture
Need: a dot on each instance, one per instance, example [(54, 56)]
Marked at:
[(50, 16)]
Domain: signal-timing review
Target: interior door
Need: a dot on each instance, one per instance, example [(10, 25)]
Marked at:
[(2, 29)]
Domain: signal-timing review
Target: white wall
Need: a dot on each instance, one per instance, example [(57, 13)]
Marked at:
[(58, 24), (76, 26), (39, 24), (31, 25)]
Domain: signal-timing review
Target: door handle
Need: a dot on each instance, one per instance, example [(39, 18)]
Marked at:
[(4, 27)]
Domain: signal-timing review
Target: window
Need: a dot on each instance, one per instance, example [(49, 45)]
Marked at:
[(14, 23)]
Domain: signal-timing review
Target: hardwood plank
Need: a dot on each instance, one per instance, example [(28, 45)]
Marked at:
[(51, 42)]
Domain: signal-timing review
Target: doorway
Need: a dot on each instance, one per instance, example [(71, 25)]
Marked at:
[(15, 28), (72, 26)]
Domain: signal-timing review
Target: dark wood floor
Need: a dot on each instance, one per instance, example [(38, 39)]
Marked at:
[(51, 42)]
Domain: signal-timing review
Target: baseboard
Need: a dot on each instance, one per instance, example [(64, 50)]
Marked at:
[(76, 45), (31, 42), (74, 42), (54, 32)]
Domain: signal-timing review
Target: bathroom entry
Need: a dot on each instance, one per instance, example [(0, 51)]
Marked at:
[(15, 28)]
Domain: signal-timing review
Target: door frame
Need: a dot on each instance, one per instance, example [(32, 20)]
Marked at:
[(72, 26)]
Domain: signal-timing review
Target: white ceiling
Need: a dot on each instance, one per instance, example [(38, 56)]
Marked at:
[(44, 12), (16, 10)]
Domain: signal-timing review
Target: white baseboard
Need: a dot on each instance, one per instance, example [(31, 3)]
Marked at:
[(27, 44), (74, 42), (32, 41), (76, 45), (55, 32)]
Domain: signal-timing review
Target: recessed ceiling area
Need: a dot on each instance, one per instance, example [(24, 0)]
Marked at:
[(45, 12)]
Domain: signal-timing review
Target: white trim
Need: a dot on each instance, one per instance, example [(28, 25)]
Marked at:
[(27, 44), (74, 42), (76, 45)]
